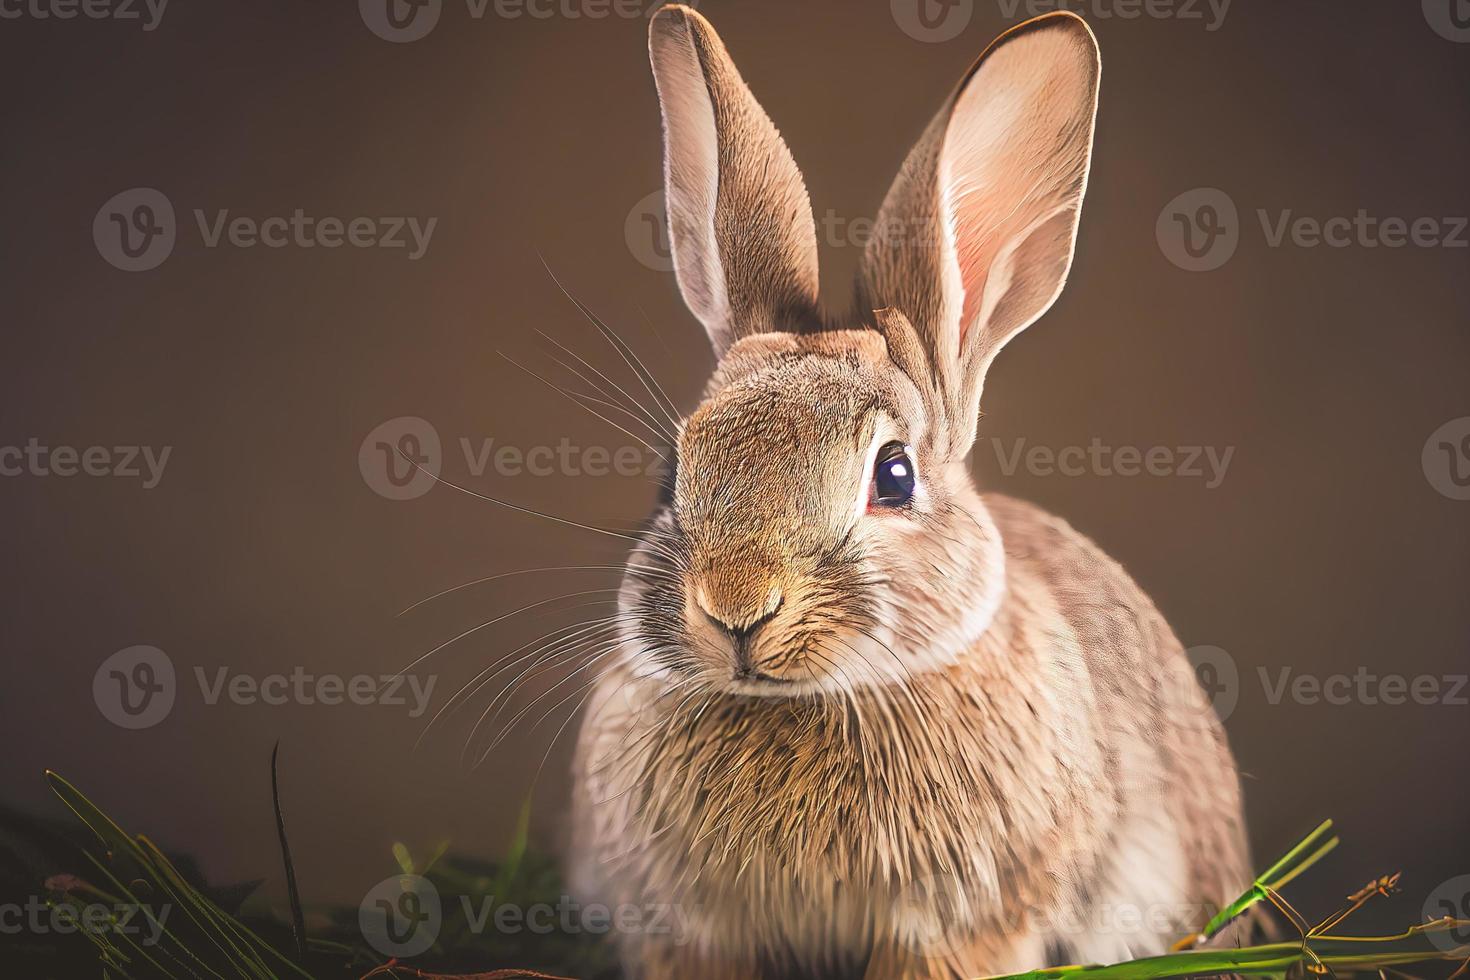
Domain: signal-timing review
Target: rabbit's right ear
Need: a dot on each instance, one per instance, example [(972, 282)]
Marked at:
[(740, 223), (975, 238)]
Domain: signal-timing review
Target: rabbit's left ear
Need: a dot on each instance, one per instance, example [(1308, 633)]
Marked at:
[(740, 223), (975, 237)]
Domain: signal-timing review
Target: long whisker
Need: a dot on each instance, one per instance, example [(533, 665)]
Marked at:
[(500, 618), (656, 425), (566, 645), (666, 405), (646, 418), (510, 725), (517, 507), (650, 382), (503, 663), (590, 690), (574, 400), (635, 569)]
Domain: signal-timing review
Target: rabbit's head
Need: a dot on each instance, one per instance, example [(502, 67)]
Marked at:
[(821, 528)]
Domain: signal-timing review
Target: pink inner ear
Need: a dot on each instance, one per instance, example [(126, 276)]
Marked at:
[(1014, 153), (971, 209), (974, 254), (987, 171)]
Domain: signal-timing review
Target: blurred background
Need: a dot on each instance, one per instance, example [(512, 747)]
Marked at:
[(1304, 394)]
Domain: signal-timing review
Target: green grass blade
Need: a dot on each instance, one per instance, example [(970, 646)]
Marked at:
[(1339, 953), (1287, 867)]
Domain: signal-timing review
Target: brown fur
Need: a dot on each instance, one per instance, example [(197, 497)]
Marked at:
[(960, 738)]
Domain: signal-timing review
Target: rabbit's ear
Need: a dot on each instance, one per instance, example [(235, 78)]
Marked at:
[(740, 223), (975, 237)]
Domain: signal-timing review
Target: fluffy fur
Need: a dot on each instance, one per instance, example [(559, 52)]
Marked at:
[(942, 740)]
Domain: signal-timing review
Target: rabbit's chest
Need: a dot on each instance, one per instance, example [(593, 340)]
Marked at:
[(812, 804)]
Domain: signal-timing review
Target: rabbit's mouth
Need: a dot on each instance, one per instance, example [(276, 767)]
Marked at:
[(752, 676)]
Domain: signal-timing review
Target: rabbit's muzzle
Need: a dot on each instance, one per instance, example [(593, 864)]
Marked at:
[(740, 617)]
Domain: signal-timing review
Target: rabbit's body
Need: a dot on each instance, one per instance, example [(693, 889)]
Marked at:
[(1061, 786), (857, 718)]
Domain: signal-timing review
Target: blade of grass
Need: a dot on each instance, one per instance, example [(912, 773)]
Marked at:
[(1339, 953), (298, 918), (243, 954), (1287, 867)]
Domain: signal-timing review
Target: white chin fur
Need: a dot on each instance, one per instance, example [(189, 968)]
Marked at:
[(868, 662)]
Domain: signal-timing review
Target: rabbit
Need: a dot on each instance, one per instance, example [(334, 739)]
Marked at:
[(864, 721)]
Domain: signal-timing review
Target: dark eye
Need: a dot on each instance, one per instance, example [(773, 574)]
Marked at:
[(893, 475)]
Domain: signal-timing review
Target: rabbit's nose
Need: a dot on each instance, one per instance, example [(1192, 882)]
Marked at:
[(740, 629), (734, 623)]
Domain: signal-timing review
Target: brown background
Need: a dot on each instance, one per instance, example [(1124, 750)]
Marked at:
[(1325, 548)]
